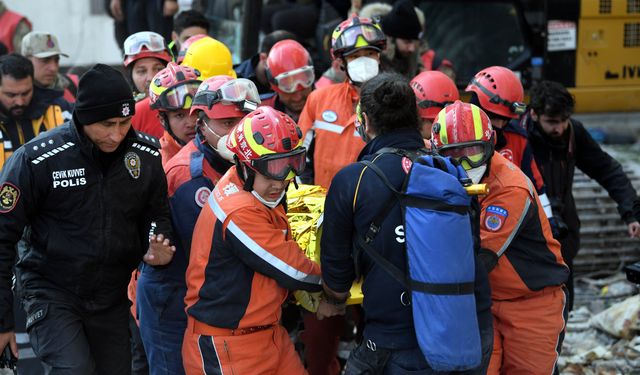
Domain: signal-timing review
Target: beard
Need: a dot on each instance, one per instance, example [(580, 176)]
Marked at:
[(17, 111)]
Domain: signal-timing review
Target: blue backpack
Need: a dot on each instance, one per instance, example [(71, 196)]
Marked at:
[(440, 257)]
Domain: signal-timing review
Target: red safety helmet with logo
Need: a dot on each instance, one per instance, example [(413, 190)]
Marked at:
[(463, 131), (269, 142), (174, 87), (289, 67), (499, 91), (354, 34), (185, 46), (434, 90), (225, 97), (145, 44)]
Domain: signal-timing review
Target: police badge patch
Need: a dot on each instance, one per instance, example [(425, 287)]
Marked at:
[(9, 196), (132, 162)]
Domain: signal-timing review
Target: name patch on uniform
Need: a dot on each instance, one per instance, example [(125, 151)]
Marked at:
[(201, 196), (9, 196), (69, 178), (329, 116), (495, 217), (132, 163)]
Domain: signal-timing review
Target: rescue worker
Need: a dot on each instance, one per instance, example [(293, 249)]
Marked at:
[(561, 143), (24, 113), (254, 68), (243, 260), (357, 195), (499, 93), (191, 175), (94, 196), (185, 46), (526, 270), (434, 90), (328, 122), (14, 27), (145, 54), (291, 76), (171, 93), (185, 25), (44, 52), (328, 117)]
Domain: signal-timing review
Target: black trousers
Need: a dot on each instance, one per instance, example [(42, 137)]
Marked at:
[(71, 338)]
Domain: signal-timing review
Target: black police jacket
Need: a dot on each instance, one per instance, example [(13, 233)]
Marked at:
[(89, 216), (388, 321)]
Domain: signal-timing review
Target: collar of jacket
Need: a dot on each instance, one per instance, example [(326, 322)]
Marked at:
[(216, 161), (407, 139), (42, 98)]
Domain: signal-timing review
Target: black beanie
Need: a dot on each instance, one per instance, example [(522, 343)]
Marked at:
[(103, 93), (402, 22)]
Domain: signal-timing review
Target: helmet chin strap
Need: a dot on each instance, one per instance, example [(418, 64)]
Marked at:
[(167, 127)]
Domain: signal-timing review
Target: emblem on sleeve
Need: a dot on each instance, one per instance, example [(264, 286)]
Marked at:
[(406, 164), (495, 217), (132, 163), (202, 194), (9, 196)]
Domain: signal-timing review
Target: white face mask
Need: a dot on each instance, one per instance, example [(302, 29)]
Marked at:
[(363, 69), (270, 204), (222, 150), (475, 174)]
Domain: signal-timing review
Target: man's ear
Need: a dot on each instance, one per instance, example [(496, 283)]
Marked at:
[(263, 57), (367, 128), (174, 36), (534, 116)]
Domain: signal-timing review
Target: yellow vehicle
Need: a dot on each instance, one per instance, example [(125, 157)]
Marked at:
[(590, 46)]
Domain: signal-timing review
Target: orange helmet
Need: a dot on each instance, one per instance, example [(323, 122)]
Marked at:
[(289, 66), (463, 131), (226, 97), (185, 46), (145, 44), (499, 91), (174, 87), (269, 142), (355, 34), (434, 90)]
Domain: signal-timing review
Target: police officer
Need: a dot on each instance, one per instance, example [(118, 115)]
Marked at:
[(94, 196)]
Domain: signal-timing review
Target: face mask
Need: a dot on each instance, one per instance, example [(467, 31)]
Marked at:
[(222, 150), (270, 204), (363, 69), (475, 174)]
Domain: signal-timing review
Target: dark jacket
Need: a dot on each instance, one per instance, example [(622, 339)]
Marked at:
[(90, 215), (247, 69), (557, 161), (388, 322)]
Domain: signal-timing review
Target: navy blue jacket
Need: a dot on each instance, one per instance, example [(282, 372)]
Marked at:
[(387, 321)]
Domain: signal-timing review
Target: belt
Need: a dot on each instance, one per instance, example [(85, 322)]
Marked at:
[(203, 328)]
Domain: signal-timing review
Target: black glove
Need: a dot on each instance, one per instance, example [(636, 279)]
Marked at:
[(558, 228)]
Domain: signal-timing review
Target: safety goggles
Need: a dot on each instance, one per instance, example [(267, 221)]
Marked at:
[(241, 92), (289, 81), (349, 37), (474, 153), (280, 166), (153, 42), (178, 97), (431, 103), (518, 108)]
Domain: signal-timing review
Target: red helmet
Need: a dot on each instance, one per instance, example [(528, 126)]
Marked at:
[(463, 131), (226, 97), (289, 67), (174, 87), (499, 91), (270, 143), (354, 34), (145, 44), (434, 90), (185, 46)]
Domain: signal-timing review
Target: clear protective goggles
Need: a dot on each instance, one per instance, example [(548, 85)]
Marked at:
[(289, 81), (153, 42), (281, 166), (474, 154), (349, 37), (178, 97), (241, 92)]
